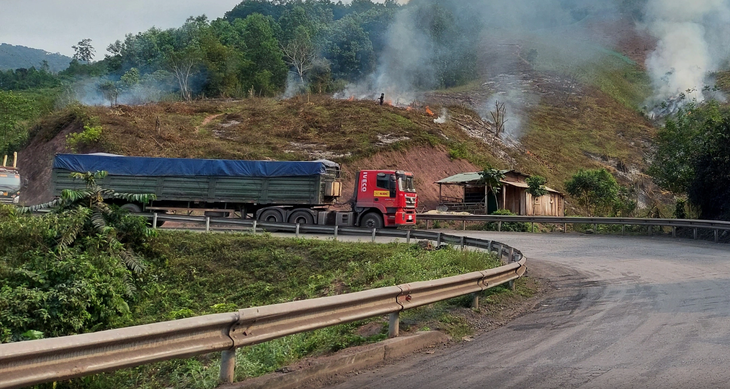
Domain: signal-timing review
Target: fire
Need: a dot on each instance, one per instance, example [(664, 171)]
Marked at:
[(409, 108), (352, 98), (429, 112), (389, 102)]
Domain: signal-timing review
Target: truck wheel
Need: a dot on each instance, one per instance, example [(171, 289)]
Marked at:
[(301, 217), (371, 220), (131, 208), (271, 216)]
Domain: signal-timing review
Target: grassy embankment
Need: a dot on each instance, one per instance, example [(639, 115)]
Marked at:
[(193, 274)]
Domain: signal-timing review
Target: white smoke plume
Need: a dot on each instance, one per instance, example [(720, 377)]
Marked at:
[(691, 46)]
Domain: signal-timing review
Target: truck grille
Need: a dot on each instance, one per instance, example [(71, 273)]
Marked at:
[(410, 202)]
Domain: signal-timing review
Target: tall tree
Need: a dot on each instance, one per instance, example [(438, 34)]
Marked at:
[(299, 52), (264, 70), (84, 51)]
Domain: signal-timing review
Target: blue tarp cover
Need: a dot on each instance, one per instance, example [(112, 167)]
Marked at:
[(176, 167)]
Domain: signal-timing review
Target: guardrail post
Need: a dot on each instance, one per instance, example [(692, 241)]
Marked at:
[(297, 231), (595, 228), (337, 229), (489, 247), (463, 243), (717, 236), (228, 366), (511, 285), (207, 224), (154, 220), (500, 252), (695, 233), (438, 240), (651, 231), (374, 231), (475, 300), (511, 254), (408, 237), (463, 225), (532, 227), (674, 232), (623, 229), (393, 325), (565, 228), (428, 224), (254, 227), (499, 226)]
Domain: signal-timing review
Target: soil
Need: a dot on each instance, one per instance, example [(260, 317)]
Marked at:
[(36, 163)]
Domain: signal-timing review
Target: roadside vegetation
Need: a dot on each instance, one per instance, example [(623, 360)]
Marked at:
[(87, 266)]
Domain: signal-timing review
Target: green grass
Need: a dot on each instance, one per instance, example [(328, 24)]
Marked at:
[(194, 274)]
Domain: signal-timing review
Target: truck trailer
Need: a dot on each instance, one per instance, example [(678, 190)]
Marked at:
[(269, 191)]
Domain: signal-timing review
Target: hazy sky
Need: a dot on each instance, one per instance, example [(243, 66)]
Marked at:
[(56, 25)]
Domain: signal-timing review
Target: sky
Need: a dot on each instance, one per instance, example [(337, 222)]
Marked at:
[(56, 25)]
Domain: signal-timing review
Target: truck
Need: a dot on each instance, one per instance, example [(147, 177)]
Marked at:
[(305, 192), (10, 181)]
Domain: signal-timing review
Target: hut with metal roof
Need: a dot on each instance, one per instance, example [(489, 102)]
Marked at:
[(513, 196)]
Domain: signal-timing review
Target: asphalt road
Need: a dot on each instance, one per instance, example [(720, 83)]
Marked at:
[(627, 313)]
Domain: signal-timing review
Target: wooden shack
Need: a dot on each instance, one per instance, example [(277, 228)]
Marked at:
[(512, 196)]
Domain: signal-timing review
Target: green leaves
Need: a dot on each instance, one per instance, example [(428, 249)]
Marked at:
[(537, 186), (595, 189)]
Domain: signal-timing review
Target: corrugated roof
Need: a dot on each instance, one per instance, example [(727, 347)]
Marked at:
[(462, 178), (474, 177)]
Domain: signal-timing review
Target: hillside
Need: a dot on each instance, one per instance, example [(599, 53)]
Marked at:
[(358, 134), (15, 57)]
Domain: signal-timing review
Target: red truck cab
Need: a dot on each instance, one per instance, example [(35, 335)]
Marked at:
[(385, 198)]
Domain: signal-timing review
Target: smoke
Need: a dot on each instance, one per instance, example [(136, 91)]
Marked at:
[(691, 46), (98, 91), (438, 44), (443, 118)]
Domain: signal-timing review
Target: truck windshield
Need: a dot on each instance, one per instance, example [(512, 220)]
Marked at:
[(9, 182), (405, 183)]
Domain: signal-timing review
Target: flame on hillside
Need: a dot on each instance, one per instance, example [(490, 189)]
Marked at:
[(429, 112)]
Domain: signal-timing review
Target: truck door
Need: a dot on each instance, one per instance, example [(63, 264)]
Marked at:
[(385, 192)]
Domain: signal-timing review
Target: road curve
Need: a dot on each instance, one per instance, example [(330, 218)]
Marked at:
[(627, 313)]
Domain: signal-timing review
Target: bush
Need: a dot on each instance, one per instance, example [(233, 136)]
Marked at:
[(506, 226), (90, 135)]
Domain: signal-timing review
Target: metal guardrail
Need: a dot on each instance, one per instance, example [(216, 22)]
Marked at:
[(38, 361), (713, 225)]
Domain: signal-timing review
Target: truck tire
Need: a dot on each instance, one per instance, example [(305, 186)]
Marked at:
[(131, 208), (371, 220), (271, 216), (301, 217)]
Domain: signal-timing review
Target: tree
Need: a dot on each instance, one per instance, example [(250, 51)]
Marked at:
[(499, 115), (182, 64), (595, 189), (536, 187), (299, 52), (691, 158), (71, 270), (84, 52), (492, 180), (92, 215), (264, 69)]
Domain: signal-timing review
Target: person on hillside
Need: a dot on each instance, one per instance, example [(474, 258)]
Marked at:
[(382, 98)]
